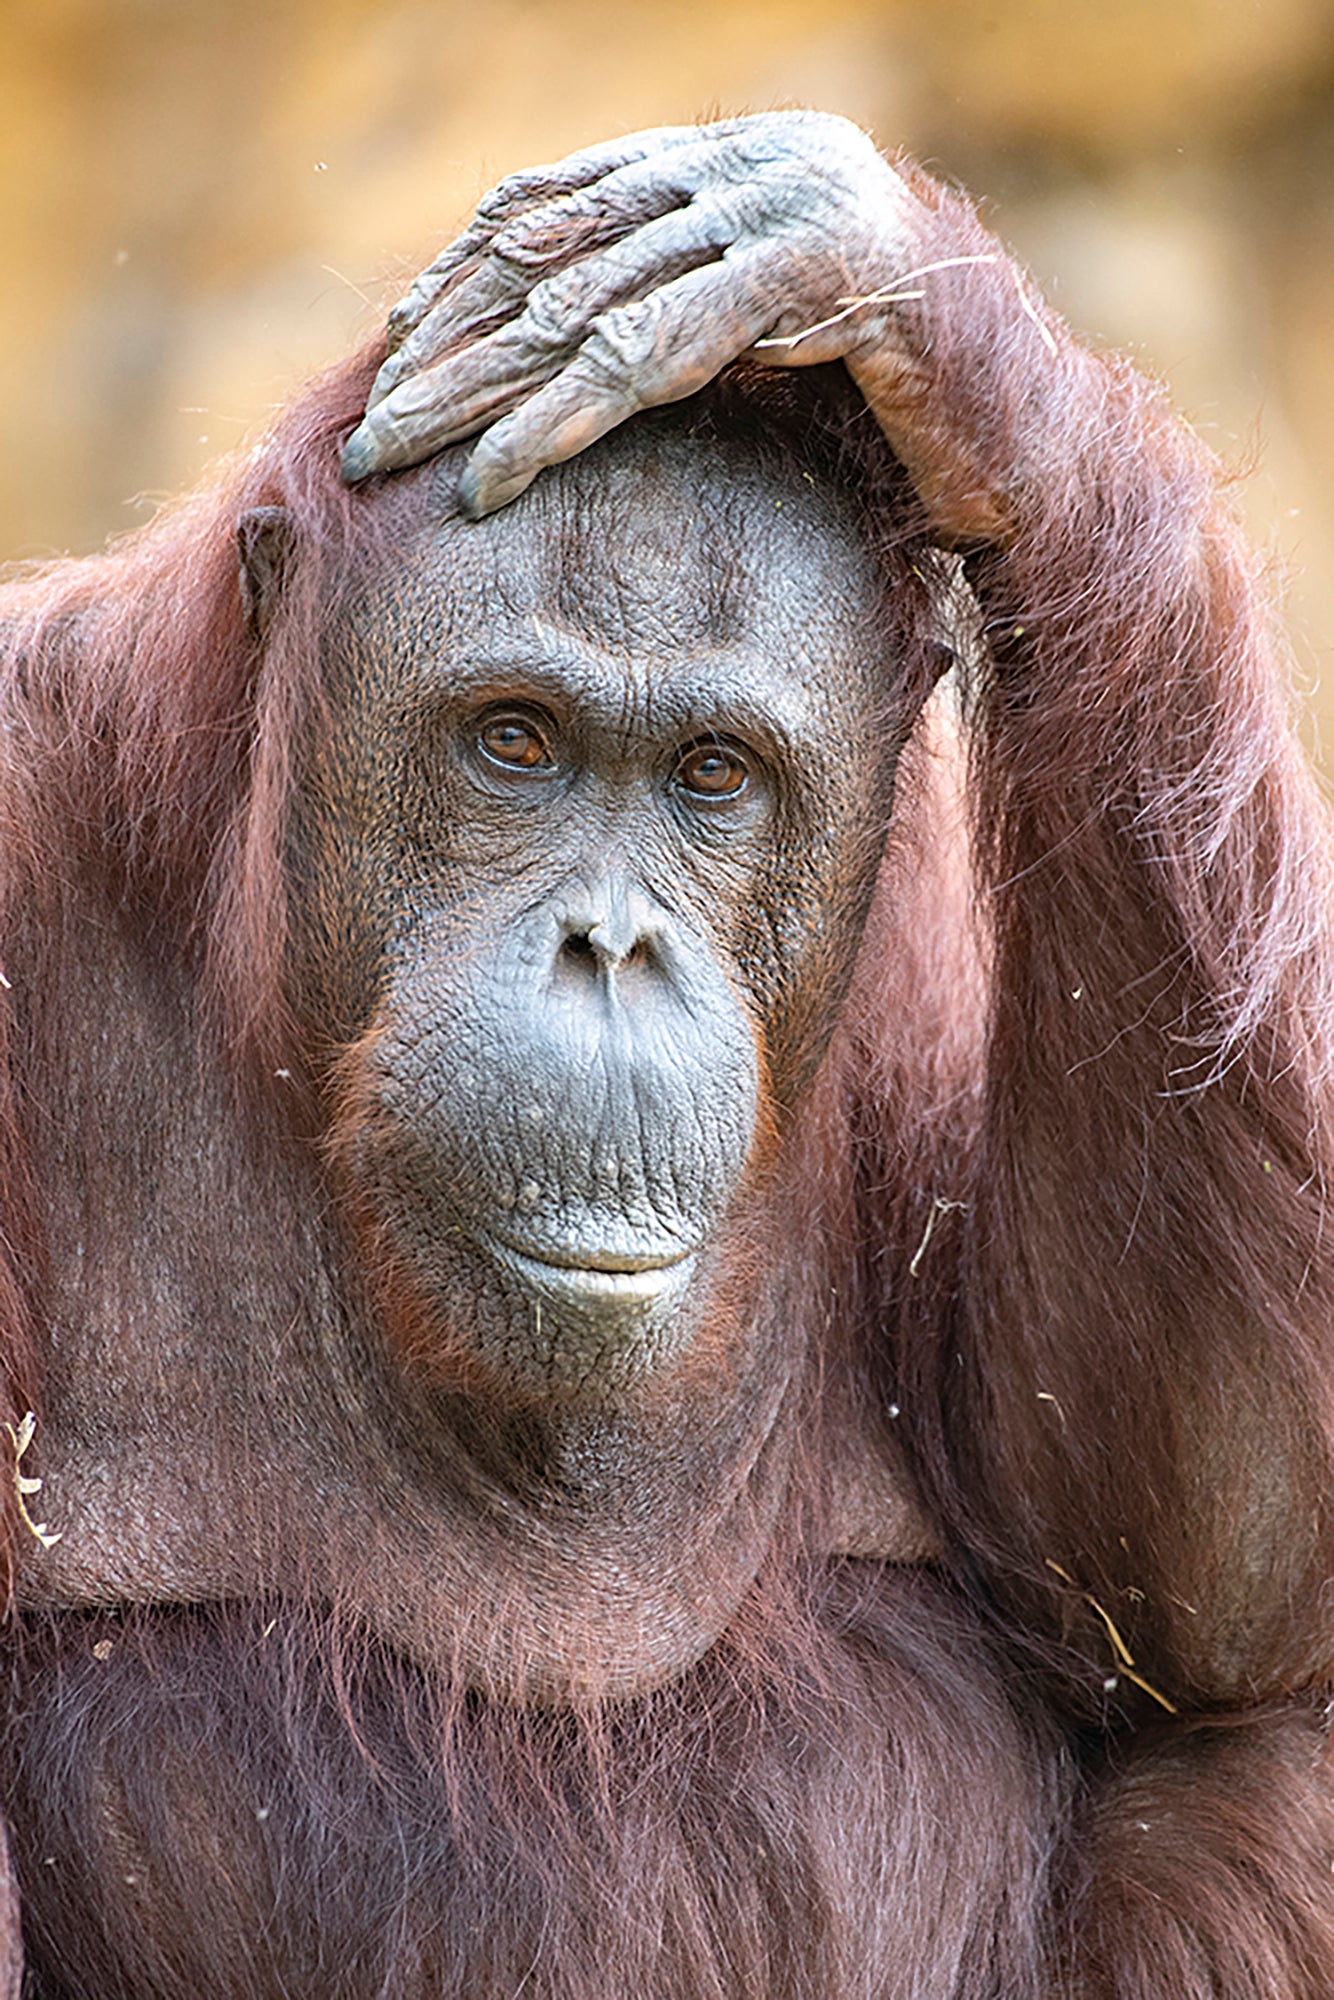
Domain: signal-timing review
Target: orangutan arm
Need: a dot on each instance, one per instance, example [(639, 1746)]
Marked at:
[(1128, 1418)]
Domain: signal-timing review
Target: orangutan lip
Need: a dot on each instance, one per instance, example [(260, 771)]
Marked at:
[(614, 1263), (600, 1274)]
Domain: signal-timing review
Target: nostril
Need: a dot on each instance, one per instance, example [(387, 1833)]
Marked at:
[(579, 947), (582, 949)]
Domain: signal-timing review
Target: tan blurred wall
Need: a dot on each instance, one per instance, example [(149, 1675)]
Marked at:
[(200, 203)]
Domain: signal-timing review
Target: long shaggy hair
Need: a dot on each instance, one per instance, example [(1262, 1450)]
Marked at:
[(1065, 1177)]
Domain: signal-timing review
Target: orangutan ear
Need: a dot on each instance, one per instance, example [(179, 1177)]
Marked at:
[(264, 539)]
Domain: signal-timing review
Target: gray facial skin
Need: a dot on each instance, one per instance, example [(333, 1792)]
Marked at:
[(606, 792)]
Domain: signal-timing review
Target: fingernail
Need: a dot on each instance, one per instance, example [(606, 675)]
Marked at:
[(472, 495), (359, 454), (482, 493)]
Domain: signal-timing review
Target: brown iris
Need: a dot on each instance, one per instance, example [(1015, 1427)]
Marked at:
[(711, 771), (515, 741)]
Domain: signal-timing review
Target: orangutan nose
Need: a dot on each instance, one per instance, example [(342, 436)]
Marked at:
[(610, 927)]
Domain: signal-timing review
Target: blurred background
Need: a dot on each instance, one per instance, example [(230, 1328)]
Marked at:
[(202, 201)]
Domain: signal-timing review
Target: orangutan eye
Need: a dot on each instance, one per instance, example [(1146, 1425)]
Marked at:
[(516, 741), (711, 770)]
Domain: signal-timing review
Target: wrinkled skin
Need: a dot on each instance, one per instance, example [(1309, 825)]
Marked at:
[(630, 815), (860, 1527), (592, 817), (631, 274), (624, 277), (579, 860)]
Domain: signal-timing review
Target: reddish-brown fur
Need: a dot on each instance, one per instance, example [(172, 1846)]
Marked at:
[(1074, 1139)]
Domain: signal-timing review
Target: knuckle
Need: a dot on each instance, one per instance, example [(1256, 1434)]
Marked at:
[(627, 338), (418, 298), (515, 191), (555, 307), (562, 292), (799, 139), (401, 320), (497, 453), (495, 208), (417, 351), (543, 232), (387, 379), (518, 248)]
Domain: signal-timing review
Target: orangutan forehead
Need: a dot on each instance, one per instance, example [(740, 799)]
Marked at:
[(651, 539)]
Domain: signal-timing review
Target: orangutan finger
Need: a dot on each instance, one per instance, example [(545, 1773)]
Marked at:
[(433, 335), (468, 376), (647, 258), (439, 406), (535, 187), (569, 228), (560, 307), (586, 219), (426, 288), (529, 188), (651, 351), (479, 285), (529, 185)]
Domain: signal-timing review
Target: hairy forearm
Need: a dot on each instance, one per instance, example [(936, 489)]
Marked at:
[(1155, 1137)]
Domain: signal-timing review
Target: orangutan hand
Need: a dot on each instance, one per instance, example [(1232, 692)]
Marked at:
[(630, 275)]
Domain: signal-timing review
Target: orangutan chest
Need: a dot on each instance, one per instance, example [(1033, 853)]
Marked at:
[(241, 1803)]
